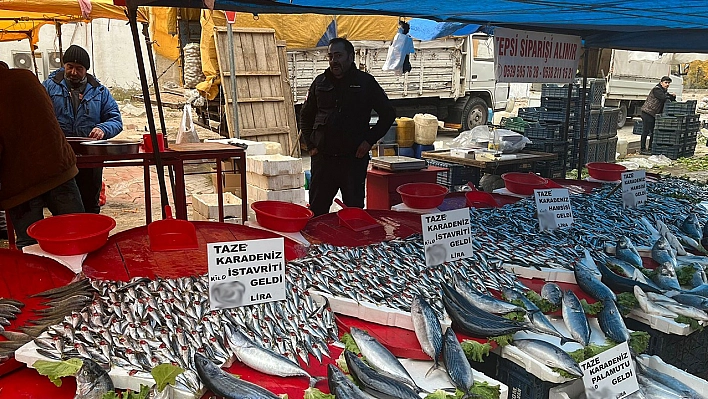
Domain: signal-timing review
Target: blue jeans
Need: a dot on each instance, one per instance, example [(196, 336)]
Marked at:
[(62, 199)]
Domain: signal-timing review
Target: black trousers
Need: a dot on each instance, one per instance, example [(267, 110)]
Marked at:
[(647, 130), (89, 181), (332, 173)]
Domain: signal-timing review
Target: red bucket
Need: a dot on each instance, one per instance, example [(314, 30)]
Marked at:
[(72, 234), (523, 183), (422, 195), (281, 216), (605, 171)]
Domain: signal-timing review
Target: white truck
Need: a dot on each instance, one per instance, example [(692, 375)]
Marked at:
[(452, 78)]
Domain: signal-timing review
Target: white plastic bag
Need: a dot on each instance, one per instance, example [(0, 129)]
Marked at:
[(187, 132), (396, 54)]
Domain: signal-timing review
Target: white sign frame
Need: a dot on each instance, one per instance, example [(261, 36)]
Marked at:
[(243, 273), (535, 57), (610, 374), (634, 188), (553, 208), (447, 236)]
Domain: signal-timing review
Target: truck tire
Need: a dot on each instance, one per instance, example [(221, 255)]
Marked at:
[(622, 117), (474, 114)]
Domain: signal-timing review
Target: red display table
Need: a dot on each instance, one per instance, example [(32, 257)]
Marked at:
[(326, 229), (381, 185)]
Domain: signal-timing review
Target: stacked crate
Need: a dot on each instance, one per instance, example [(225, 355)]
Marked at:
[(675, 130), (275, 178)]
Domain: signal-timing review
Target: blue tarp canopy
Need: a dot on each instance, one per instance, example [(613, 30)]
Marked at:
[(669, 26)]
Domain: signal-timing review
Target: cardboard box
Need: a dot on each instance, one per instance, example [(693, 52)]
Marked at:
[(281, 182), (274, 165), (294, 195), (231, 182), (208, 206)]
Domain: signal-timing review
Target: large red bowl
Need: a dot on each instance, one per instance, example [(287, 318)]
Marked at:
[(422, 195), (73, 233), (605, 171), (523, 183), (281, 216)]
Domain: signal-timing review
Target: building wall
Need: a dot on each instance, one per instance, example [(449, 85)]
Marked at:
[(108, 42)]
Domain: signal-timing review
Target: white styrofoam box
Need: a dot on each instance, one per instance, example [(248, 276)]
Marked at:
[(296, 236), (196, 216), (660, 323), (273, 165), (371, 312), (546, 273), (279, 182), (405, 208), (273, 147), (462, 153), (121, 378), (439, 379), (208, 205), (294, 195), (254, 147), (576, 390), (643, 251), (73, 262)]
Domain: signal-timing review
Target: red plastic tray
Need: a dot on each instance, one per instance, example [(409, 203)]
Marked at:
[(326, 229)]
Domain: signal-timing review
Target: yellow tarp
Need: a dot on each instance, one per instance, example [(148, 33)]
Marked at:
[(21, 19)]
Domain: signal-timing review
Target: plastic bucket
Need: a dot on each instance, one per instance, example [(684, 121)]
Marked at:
[(405, 132), (426, 128)]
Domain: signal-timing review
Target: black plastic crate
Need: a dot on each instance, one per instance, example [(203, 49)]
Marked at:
[(673, 108), (544, 131), (557, 91), (550, 169), (595, 151), (550, 146), (691, 137), (670, 122), (670, 151), (552, 116), (531, 114), (611, 153), (456, 174), (521, 383), (668, 137), (638, 126), (591, 125), (608, 123), (686, 352), (693, 123), (597, 89)]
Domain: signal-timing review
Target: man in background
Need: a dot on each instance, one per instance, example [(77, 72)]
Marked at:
[(37, 165), (335, 128), (653, 105), (84, 108)]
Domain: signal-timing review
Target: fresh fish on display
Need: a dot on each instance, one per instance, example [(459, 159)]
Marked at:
[(342, 387), (649, 307), (652, 389), (476, 324), (625, 284), (699, 275), (665, 277), (668, 381), (539, 321), (671, 238), (226, 385), (697, 301), (553, 293), (575, 319), (427, 330), (626, 251), (482, 301), (678, 308), (549, 354), (692, 227), (456, 363), (92, 382), (375, 384), (591, 284), (612, 323)]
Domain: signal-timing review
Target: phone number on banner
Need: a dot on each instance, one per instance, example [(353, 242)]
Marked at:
[(534, 72)]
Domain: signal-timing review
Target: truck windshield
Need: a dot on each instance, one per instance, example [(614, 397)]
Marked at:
[(483, 48)]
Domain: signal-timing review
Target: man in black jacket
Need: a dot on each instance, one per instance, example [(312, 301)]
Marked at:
[(654, 104), (335, 128)]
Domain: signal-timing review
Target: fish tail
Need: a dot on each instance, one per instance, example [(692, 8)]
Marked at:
[(315, 380), (565, 340), (435, 366), (418, 389)]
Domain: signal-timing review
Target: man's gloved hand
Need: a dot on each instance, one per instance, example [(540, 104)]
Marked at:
[(96, 133), (363, 149), (313, 152)]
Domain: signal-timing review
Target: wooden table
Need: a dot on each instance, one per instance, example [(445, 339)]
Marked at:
[(523, 161)]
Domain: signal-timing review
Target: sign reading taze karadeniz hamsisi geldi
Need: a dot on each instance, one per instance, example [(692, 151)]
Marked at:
[(553, 208), (634, 188), (610, 374), (446, 236), (535, 57), (243, 273)]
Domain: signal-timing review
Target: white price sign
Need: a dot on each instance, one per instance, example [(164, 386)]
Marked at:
[(611, 374), (243, 273), (447, 236), (634, 188), (535, 57), (553, 208)]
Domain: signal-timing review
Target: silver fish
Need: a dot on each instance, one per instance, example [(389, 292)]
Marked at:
[(552, 293), (378, 385), (575, 319), (667, 380), (612, 323), (427, 330), (342, 387), (92, 382), (649, 307), (626, 251), (456, 363), (692, 227), (549, 354), (665, 277), (225, 384)]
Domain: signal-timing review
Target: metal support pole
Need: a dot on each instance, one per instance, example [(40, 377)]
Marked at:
[(61, 50), (232, 73), (582, 141)]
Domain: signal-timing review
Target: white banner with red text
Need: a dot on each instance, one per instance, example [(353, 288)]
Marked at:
[(535, 57)]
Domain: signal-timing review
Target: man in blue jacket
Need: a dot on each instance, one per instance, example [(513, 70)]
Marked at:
[(84, 108)]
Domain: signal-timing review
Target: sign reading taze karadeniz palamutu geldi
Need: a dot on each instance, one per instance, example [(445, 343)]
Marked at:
[(244, 273)]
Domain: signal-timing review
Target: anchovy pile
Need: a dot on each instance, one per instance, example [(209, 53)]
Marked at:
[(516, 239), (392, 273), (679, 188), (140, 324)]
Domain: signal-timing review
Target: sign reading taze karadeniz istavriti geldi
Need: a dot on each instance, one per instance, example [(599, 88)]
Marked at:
[(446, 236)]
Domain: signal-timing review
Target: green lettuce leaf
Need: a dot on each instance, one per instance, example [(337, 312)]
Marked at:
[(56, 370), (475, 351), (314, 393), (165, 374)]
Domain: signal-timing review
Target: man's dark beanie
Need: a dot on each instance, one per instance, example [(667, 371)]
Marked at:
[(76, 55)]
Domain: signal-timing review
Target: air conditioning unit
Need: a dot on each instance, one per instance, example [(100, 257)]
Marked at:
[(23, 60), (53, 60)]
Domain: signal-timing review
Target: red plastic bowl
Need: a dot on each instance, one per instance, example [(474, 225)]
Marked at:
[(523, 183), (281, 216), (605, 171), (72, 234), (422, 195), (480, 199)]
